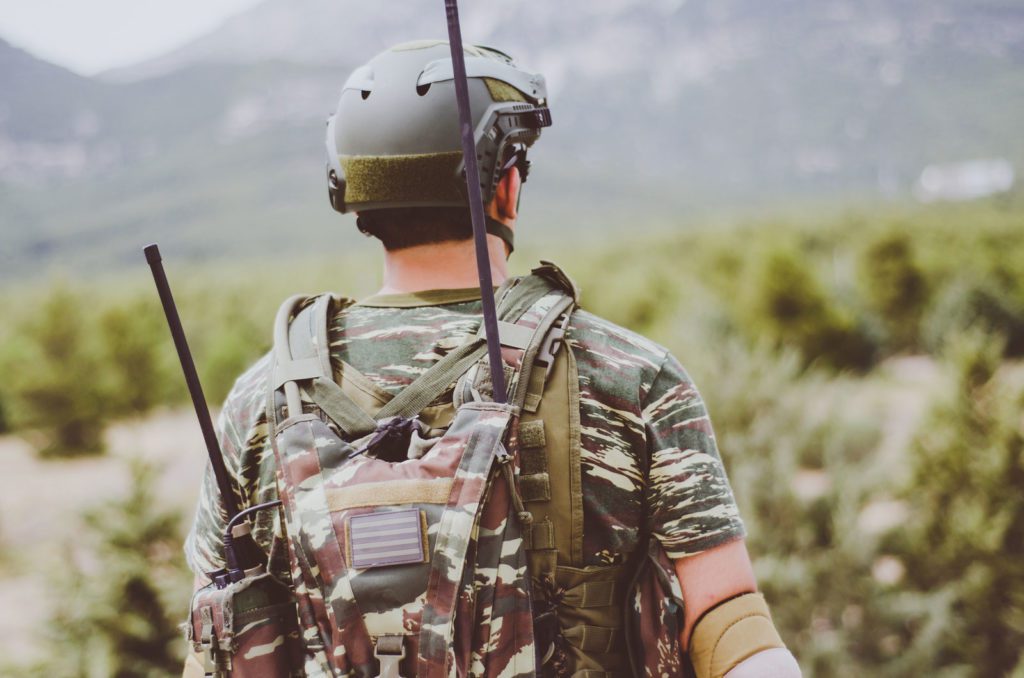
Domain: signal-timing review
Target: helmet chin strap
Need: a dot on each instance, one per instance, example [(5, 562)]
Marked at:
[(476, 205), (495, 227)]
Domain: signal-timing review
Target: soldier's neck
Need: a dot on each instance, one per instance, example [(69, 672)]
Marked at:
[(441, 266)]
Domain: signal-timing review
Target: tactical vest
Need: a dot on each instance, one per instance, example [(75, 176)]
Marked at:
[(433, 538)]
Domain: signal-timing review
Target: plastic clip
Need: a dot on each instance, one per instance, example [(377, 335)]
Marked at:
[(389, 651), (207, 642), (551, 346)]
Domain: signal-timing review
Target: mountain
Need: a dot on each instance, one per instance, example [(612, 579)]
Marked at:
[(660, 107)]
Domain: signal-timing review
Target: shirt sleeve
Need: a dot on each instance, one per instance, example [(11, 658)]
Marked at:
[(204, 547), (691, 505)]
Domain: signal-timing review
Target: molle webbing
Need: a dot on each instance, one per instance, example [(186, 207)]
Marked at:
[(428, 178), (589, 601)]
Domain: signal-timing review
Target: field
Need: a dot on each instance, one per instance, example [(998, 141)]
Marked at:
[(862, 369)]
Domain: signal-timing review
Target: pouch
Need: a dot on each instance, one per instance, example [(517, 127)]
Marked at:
[(247, 629)]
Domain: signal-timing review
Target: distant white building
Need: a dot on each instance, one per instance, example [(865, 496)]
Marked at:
[(967, 180)]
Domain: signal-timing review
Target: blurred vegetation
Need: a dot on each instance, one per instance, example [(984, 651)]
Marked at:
[(963, 545), (121, 593), (878, 560)]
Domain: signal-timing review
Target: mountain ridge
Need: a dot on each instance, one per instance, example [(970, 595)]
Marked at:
[(660, 108)]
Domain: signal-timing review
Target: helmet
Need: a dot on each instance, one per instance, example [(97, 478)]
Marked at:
[(394, 139)]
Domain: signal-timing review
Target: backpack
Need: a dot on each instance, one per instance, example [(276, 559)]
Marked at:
[(428, 538)]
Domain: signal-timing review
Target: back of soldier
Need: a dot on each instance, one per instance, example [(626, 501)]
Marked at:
[(618, 433)]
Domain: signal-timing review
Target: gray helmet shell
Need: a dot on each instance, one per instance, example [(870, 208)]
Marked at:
[(394, 139)]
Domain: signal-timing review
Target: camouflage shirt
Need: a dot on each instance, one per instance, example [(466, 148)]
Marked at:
[(648, 450)]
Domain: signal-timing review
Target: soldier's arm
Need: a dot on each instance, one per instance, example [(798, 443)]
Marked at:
[(735, 643), (728, 630), (712, 576)]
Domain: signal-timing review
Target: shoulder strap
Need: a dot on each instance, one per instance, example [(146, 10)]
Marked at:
[(302, 354), (515, 298)]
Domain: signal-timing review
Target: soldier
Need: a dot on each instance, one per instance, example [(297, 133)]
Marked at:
[(635, 465)]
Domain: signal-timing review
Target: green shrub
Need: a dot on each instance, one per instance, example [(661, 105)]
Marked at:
[(56, 388), (971, 303), (785, 303), (963, 547), (894, 288), (119, 595), (136, 377)]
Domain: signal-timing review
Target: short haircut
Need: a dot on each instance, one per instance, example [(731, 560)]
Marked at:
[(402, 227)]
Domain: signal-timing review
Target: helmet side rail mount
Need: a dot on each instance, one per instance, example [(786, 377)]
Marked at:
[(506, 126), (242, 555), (476, 203)]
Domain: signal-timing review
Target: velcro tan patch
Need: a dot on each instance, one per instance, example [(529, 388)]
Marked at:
[(541, 535), (536, 487), (533, 460), (390, 493), (531, 434)]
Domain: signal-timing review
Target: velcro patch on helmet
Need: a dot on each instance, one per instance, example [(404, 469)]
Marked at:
[(387, 537), (428, 177), (502, 91)]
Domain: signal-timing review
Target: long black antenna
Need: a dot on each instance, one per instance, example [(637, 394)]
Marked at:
[(195, 389), (476, 203)]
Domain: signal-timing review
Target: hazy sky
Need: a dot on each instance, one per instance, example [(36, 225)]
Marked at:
[(89, 36)]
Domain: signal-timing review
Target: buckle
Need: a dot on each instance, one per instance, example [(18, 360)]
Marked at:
[(552, 343), (207, 642), (389, 651)]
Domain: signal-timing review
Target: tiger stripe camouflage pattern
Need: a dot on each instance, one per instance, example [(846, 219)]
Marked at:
[(646, 440)]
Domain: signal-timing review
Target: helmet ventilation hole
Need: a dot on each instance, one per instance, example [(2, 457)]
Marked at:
[(422, 89), (366, 94)]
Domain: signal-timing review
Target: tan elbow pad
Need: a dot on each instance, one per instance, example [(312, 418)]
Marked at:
[(731, 632)]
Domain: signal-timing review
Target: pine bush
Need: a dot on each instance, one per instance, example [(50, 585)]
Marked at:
[(56, 389), (119, 595), (895, 288)]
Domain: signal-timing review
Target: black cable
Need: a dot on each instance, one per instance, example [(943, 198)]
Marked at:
[(242, 515), (476, 204)]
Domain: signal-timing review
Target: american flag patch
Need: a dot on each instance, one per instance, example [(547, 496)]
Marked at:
[(386, 538)]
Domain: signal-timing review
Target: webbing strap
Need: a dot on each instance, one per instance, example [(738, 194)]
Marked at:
[(516, 299), (530, 357), (342, 410), (539, 535), (524, 294), (310, 360), (295, 370), (306, 357), (434, 381), (592, 594), (535, 487), (593, 638)]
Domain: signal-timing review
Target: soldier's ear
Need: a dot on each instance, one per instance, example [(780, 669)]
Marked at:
[(506, 197)]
